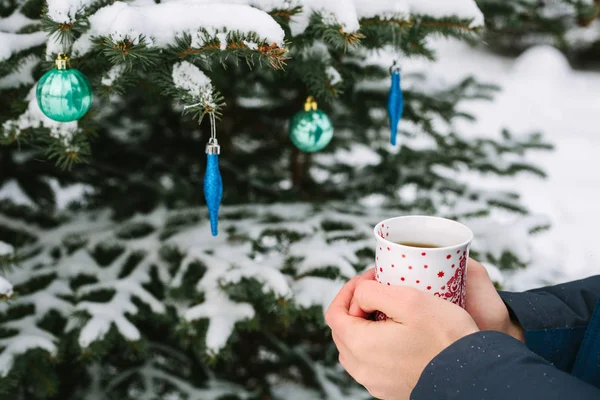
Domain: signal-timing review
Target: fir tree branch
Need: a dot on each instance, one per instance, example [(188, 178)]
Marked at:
[(248, 47)]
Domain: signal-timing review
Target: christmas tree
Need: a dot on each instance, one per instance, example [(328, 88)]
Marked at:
[(113, 285)]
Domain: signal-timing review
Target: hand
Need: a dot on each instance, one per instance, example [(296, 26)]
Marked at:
[(388, 357), (485, 305)]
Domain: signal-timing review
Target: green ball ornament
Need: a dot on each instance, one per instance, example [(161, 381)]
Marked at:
[(311, 130), (64, 94)]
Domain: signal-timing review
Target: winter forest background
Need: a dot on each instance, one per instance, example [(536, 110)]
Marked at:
[(111, 285)]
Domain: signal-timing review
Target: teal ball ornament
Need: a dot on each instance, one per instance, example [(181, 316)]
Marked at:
[(64, 94), (311, 129)]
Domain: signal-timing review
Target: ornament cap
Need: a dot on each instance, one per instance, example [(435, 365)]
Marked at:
[(212, 147), (63, 61), (310, 104)]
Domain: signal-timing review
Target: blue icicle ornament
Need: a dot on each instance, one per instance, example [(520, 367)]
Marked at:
[(395, 102), (213, 184)]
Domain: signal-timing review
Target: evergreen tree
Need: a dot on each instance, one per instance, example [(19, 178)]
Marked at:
[(571, 26), (124, 293)]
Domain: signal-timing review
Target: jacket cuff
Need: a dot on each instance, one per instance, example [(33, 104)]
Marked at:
[(490, 365), (551, 329)]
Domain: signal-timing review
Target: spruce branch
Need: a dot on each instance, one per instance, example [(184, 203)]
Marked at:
[(66, 33), (248, 47), (331, 34), (283, 16), (132, 52)]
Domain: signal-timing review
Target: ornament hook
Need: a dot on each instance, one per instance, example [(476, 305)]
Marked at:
[(310, 104), (63, 61), (212, 147)]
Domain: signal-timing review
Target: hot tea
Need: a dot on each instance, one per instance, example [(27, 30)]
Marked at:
[(420, 245)]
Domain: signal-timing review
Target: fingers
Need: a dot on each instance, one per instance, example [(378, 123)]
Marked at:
[(398, 303), (355, 310), (341, 304)]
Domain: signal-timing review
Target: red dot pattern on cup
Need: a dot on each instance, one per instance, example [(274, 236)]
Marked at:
[(441, 274), (418, 281), (392, 265), (402, 279), (388, 284), (423, 254), (452, 265), (428, 287), (410, 267), (443, 287), (457, 251), (448, 257), (388, 249), (425, 266), (380, 269), (403, 255)]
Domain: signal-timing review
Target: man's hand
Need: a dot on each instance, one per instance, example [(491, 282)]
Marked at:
[(485, 305), (388, 357)]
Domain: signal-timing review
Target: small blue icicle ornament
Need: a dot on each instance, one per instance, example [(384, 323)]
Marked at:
[(395, 103), (213, 184), (64, 94), (311, 129)]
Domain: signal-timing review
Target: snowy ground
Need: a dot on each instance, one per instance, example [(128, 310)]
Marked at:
[(541, 92)]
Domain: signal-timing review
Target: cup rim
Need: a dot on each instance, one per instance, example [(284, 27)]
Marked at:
[(464, 243)]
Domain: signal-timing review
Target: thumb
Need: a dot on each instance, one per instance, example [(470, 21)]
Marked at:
[(479, 287), (397, 302)]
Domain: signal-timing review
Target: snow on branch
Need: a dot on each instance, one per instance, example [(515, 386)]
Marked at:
[(33, 117), (5, 249), (462, 9), (161, 24), (295, 252), (11, 43), (188, 77), (65, 11)]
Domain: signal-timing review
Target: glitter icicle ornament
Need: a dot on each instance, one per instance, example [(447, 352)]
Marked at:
[(395, 102), (64, 94), (311, 129), (213, 183)]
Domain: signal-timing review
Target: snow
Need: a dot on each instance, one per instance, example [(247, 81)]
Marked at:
[(33, 118), (6, 288), (65, 195), (464, 9), (358, 155), (188, 77), (540, 92), (113, 74), (162, 23), (5, 249), (334, 12), (333, 75), (23, 75), (11, 190), (11, 43), (64, 11), (314, 291), (15, 22)]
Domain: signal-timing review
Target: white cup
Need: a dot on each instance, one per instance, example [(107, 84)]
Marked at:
[(440, 271)]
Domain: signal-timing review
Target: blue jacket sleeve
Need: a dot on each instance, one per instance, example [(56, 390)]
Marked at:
[(555, 318), (493, 366)]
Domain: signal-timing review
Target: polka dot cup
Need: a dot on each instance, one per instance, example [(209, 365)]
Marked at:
[(440, 271)]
